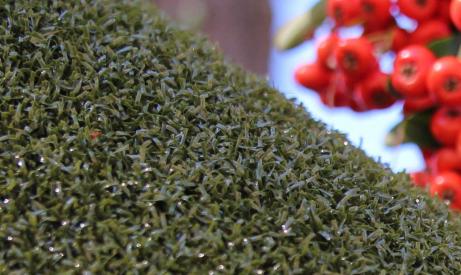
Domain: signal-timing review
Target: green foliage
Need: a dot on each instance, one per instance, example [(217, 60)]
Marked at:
[(200, 167), (446, 47), (300, 28), (415, 129)]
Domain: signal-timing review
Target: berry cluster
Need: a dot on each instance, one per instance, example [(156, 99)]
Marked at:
[(347, 74)]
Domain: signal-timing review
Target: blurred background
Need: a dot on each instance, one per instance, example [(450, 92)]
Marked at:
[(243, 30)]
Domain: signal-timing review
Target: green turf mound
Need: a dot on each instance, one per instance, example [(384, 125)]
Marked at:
[(200, 167)]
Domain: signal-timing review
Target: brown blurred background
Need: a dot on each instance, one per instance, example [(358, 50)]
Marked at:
[(241, 28)]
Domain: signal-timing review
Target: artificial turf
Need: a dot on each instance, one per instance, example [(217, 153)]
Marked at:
[(199, 166)]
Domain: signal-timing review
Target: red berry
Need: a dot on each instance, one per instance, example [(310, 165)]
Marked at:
[(446, 125), (325, 51), (411, 67), (414, 105), (376, 14), (430, 31), (427, 154), (445, 159), (313, 76), (95, 134), (357, 104), (420, 179), (337, 94), (447, 186), (458, 144), (355, 58), (444, 80), (343, 12), (418, 9), (443, 11), (373, 92), (455, 13), (335, 98), (400, 39)]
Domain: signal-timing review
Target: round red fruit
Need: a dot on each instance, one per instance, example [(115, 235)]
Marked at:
[(411, 67), (374, 93), (455, 13), (313, 76), (355, 58), (445, 159), (446, 125), (357, 104), (420, 179), (444, 80), (430, 31), (400, 38), (443, 11), (325, 51), (418, 9), (414, 105), (95, 134), (427, 155), (343, 12), (337, 94), (458, 144), (447, 186), (335, 97), (376, 14)]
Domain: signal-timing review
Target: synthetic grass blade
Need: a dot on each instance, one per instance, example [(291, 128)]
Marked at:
[(128, 146)]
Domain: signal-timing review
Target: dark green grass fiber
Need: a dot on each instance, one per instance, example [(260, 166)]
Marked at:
[(200, 167)]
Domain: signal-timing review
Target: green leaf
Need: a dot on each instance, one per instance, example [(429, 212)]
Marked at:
[(298, 29), (447, 46), (413, 129)]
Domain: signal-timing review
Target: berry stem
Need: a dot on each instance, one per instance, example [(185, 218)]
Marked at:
[(381, 40)]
